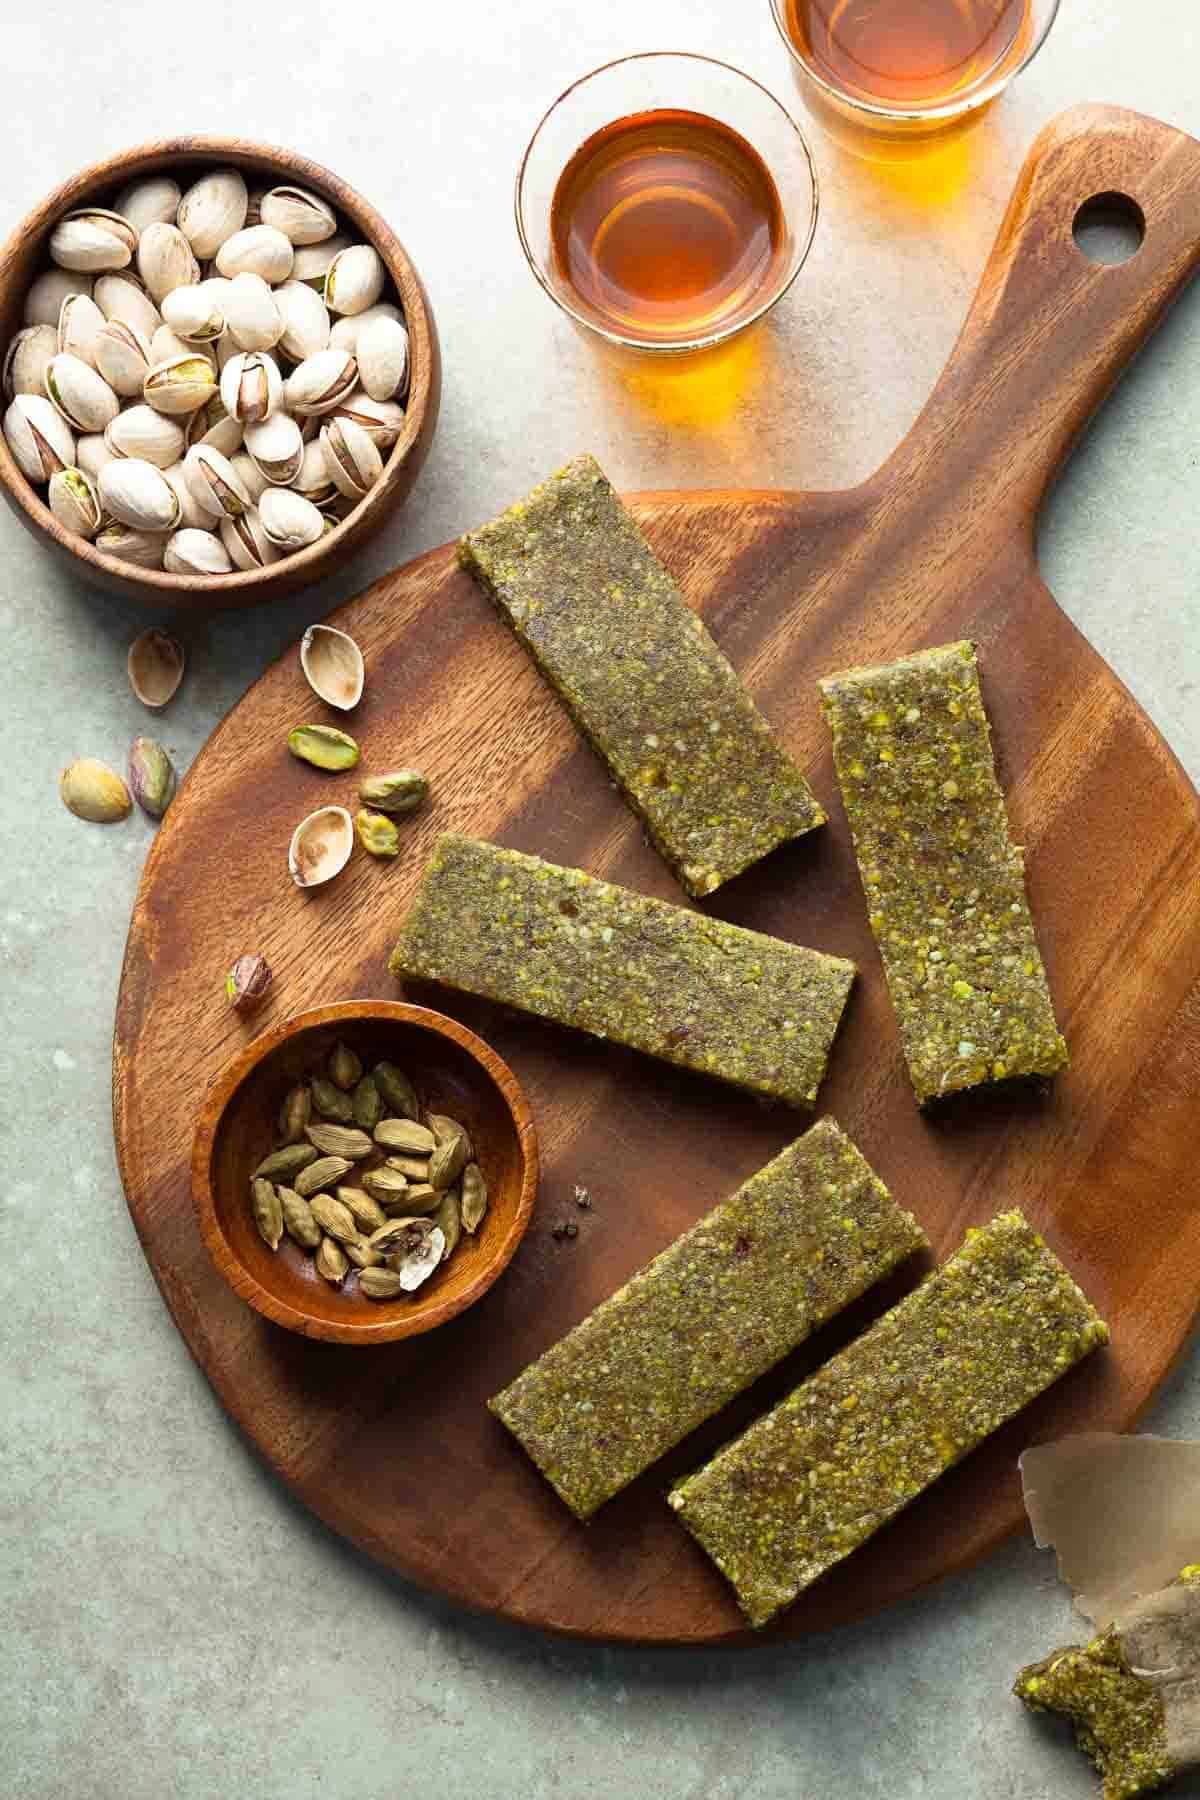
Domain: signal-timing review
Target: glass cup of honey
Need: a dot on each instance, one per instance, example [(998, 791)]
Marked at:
[(891, 78), (666, 201)]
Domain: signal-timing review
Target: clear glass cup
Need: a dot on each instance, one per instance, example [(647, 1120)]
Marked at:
[(897, 130), (680, 83)]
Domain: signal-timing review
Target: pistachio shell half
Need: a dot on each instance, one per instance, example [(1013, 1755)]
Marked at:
[(333, 666), (155, 665), (320, 846)]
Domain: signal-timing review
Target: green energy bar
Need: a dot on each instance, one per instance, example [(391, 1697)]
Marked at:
[(945, 885), (747, 1008), (708, 1316), (641, 677), (851, 1446)]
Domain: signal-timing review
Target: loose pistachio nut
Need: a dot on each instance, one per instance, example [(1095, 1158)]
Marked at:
[(40, 439), (248, 545), (401, 791), (354, 279), (301, 216), (247, 982), (122, 355), (193, 314), (382, 356), (92, 239), (321, 382), (196, 552), (212, 210), (27, 359), (73, 500), (79, 324), (142, 432), (377, 834), (277, 448), (136, 493), (288, 519), (213, 483), (165, 261), (251, 312), (257, 250), (324, 746), (43, 302), (181, 385), (152, 779), (304, 320), (251, 386), (84, 398), (353, 460), (93, 791), (153, 201)]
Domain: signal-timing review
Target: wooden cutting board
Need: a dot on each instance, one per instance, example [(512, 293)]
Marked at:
[(393, 1446)]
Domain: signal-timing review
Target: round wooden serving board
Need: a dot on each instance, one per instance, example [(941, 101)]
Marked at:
[(393, 1446)]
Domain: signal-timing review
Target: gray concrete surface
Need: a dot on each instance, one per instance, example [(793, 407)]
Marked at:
[(173, 1625)]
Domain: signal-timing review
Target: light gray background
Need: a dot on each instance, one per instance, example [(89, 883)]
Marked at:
[(173, 1624)]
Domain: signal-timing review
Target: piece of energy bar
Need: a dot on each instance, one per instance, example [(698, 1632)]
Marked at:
[(802, 1239), (609, 629), (855, 1443), (1133, 1692), (945, 885), (749, 1009)]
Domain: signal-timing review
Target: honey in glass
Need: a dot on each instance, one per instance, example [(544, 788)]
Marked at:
[(905, 53), (667, 226)]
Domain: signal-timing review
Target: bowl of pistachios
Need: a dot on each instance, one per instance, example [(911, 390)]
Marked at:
[(220, 372), (364, 1171)]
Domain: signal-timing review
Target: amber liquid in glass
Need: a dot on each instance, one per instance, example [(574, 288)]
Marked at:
[(904, 52), (667, 226)]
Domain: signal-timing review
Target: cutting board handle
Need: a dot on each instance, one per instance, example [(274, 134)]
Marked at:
[(1049, 331)]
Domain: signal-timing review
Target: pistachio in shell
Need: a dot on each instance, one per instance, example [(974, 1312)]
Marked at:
[(247, 982), (155, 664), (320, 846), (152, 781), (401, 791), (377, 833), (333, 666), (93, 791), (324, 746)]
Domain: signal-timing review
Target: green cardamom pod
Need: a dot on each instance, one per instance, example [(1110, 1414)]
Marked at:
[(324, 746), (368, 1214), (406, 1136), (295, 1113), (377, 835), (361, 1254), (334, 1218), (443, 1127), (344, 1066), (367, 1104), (325, 1172), (448, 1161), (268, 1213), (298, 1219), (399, 1095), (283, 1164), (380, 1284), (448, 1219), (340, 1140), (400, 792), (474, 1197), (331, 1260), (331, 1102)]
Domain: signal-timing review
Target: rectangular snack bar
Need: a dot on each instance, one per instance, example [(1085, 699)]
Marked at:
[(945, 885), (851, 1446), (609, 629), (802, 1239), (749, 1009)]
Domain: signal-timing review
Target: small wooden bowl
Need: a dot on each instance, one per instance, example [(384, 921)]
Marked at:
[(25, 253), (454, 1072)]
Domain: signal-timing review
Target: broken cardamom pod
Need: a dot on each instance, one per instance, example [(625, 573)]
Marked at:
[(368, 1106), (331, 1261), (397, 1090), (448, 1161), (344, 1067), (380, 1284), (406, 1136), (298, 1219), (376, 833), (400, 792), (295, 1113), (331, 1102), (327, 1171), (448, 1219), (247, 982), (368, 1214), (413, 1247), (93, 791), (474, 1197), (287, 1162), (334, 1218), (152, 778), (324, 746), (268, 1213), (340, 1140)]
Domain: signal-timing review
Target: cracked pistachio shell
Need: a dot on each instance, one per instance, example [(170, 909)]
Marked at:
[(257, 250), (382, 420), (91, 454), (277, 448), (212, 210), (155, 667), (344, 333), (181, 385), (212, 425), (142, 432), (248, 545), (251, 386), (401, 791), (333, 666), (314, 481), (247, 982), (138, 494), (92, 239), (165, 261), (193, 551), (73, 500), (324, 746), (142, 548), (377, 834), (83, 397), (352, 457), (303, 217), (320, 846), (41, 441), (193, 314), (311, 262), (382, 357), (354, 279), (28, 357), (213, 483), (43, 302), (79, 324), (93, 791), (122, 355), (153, 201), (321, 382), (289, 520), (249, 474), (252, 314), (152, 778), (304, 318), (122, 296)]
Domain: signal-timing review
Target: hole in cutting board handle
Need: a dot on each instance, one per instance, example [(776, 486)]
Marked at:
[(1109, 228)]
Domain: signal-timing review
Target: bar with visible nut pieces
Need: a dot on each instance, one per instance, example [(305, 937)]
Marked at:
[(752, 1010), (799, 1241), (849, 1448), (945, 884), (606, 624)]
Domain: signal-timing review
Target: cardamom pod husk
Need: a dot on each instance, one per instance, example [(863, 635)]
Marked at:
[(298, 1219), (324, 746), (283, 1164), (268, 1213), (399, 792), (331, 1260), (344, 1067), (340, 1140), (448, 1219), (367, 1104), (368, 1214), (295, 1113), (327, 1171), (474, 1197), (334, 1218), (331, 1102), (406, 1136), (399, 1095)]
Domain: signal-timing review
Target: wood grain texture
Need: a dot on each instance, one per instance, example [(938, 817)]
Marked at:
[(24, 254), (938, 545)]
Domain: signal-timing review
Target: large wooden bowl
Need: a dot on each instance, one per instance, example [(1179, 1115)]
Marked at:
[(25, 254), (453, 1072)]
